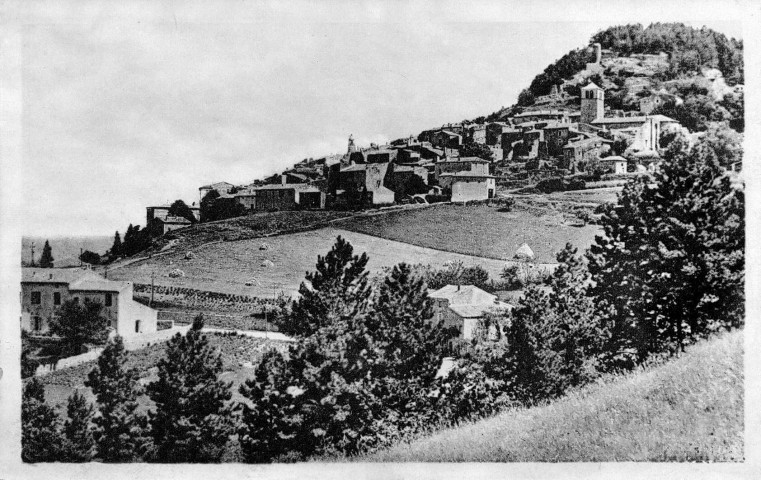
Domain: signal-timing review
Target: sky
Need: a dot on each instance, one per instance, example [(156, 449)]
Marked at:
[(122, 109)]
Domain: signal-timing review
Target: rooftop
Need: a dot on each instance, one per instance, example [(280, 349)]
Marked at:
[(466, 175), (637, 119), (78, 279), (464, 295)]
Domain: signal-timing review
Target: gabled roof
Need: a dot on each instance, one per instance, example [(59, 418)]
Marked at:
[(591, 86), (54, 275), (215, 185), (97, 285), (77, 279), (464, 295), (613, 158), (359, 167)]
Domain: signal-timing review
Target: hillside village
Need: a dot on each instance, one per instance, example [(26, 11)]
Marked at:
[(486, 251), (558, 136)]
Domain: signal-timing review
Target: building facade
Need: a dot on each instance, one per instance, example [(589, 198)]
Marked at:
[(44, 290)]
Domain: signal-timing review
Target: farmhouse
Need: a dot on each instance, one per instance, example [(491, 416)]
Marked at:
[(43, 291), (578, 153), (463, 306)]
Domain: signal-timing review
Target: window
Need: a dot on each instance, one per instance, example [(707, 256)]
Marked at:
[(76, 299), (56, 298), (37, 324), (109, 300), (36, 298), (137, 326)]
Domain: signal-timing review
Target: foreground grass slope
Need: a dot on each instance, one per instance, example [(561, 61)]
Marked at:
[(690, 409)]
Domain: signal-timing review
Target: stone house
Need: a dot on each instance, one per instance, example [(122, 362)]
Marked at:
[(581, 152), (494, 131), (462, 164), (446, 139), (468, 186), (542, 116), (614, 164), (221, 187), (44, 290), (645, 129), (556, 135), (162, 211), (162, 225), (463, 307), (369, 177)]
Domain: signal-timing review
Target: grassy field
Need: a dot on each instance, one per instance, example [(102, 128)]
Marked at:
[(240, 355), (689, 409), (228, 266), (481, 230)]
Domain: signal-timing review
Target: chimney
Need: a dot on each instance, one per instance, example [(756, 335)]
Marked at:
[(282, 179)]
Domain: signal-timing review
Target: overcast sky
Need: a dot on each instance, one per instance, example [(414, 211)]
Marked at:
[(125, 111)]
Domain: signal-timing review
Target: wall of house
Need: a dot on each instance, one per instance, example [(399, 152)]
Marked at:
[(311, 199), (467, 189), (45, 310), (275, 199), (135, 318)]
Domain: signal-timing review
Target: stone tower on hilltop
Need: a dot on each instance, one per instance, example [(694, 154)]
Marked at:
[(592, 103)]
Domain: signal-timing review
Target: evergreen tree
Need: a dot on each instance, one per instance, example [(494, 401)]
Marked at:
[(671, 263), (40, 426), (128, 245), (78, 443), (116, 248), (181, 209), (192, 420), (338, 288), (79, 324), (120, 430), (356, 381), (46, 260)]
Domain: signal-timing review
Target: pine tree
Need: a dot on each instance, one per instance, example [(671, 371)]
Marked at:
[(120, 430), (128, 245), (338, 288), (671, 263), (40, 426), (46, 260), (191, 422), (116, 248), (79, 324), (79, 443)]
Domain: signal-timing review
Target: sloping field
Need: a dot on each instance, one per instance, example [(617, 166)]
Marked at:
[(690, 409), (228, 266), (480, 230)]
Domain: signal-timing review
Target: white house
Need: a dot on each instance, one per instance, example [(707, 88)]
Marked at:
[(463, 306), (44, 290)]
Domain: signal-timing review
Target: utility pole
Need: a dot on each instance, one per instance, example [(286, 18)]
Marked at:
[(32, 253), (153, 276), (80, 256)]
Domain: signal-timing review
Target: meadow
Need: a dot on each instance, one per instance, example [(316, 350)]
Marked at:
[(228, 266), (687, 409), (481, 230)]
